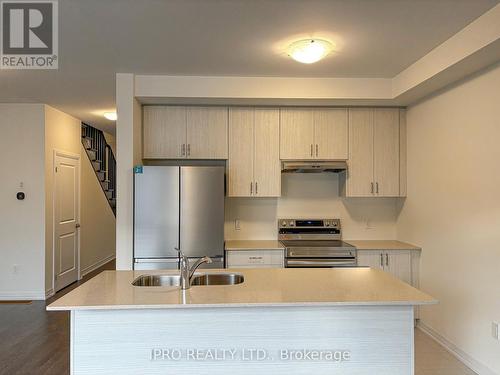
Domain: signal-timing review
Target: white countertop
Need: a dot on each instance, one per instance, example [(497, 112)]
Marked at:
[(382, 245), (358, 244), (262, 287)]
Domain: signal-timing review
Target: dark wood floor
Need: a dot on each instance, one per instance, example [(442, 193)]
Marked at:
[(34, 341)]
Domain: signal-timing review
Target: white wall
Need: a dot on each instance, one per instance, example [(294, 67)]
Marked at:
[(98, 224), (453, 211), (22, 231), (311, 195)]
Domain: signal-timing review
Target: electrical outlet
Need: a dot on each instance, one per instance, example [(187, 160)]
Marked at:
[(494, 330), (237, 224)]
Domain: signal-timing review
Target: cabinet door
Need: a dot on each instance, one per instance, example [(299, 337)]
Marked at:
[(331, 134), (386, 152), (164, 132), (241, 152), (360, 172), (267, 168), (398, 264), (207, 132), (368, 258), (296, 134)]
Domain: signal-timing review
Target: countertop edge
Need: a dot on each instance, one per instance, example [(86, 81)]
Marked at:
[(241, 305)]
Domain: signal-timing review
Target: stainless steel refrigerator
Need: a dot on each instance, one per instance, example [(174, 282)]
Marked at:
[(178, 207)]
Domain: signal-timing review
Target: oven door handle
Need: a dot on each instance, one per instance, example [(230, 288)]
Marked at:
[(320, 263)]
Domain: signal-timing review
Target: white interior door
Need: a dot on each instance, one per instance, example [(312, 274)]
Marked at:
[(66, 219)]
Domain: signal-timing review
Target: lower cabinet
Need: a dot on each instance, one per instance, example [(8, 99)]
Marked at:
[(396, 262), (402, 264), (255, 258)]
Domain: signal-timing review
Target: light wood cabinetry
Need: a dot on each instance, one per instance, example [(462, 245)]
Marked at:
[(179, 132), (206, 132), (164, 132), (360, 173), (297, 133), (310, 133), (255, 259), (375, 153), (386, 152), (396, 262), (241, 152), (331, 133), (254, 164)]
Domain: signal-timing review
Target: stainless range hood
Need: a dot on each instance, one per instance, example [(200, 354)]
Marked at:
[(313, 166)]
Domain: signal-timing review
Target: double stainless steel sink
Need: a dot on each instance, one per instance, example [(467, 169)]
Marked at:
[(197, 280)]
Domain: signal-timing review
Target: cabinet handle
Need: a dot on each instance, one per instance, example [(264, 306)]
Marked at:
[(311, 149), (381, 260), (317, 150), (386, 259), (372, 188), (377, 187), (183, 149), (189, 149), (251, 188), (256, 188)]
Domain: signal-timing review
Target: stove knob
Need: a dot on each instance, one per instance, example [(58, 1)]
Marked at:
[(291, 223), (283, 223)]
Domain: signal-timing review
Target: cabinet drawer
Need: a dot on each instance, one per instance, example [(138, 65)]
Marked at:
[(256, 258)]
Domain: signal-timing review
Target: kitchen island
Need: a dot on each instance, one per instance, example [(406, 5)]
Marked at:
[(280, 321)]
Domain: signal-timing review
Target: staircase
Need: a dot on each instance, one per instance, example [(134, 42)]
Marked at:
[(103, 161)]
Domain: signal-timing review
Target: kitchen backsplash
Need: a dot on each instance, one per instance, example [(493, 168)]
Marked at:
[(311, 195)]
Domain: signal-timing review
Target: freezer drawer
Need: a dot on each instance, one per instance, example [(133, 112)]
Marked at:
[(156, 264)]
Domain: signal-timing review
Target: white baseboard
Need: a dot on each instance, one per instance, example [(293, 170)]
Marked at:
[(96, 265), (462, 356), (22, 296), (49, 293)]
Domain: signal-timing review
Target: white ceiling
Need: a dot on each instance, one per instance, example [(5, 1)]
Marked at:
[(375, 38)]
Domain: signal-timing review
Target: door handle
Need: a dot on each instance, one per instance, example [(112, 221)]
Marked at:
[(311, 149), (317, 150), (251, 188), (77, 225), (372, 190), (377, 187), (386, 259), (381, 260), (256, 188)]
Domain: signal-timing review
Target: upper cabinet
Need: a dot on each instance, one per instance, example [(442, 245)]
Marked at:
[(377, 146), (314, 133), (254, 161), (164, 132), (178, 132)]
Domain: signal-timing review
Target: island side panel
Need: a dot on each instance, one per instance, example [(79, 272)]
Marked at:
[(379, 340)]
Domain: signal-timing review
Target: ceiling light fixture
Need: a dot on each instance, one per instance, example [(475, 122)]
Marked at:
[(110, 116), (308, 51)]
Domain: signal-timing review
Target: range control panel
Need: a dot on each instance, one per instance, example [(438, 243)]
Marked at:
[(309, 223)]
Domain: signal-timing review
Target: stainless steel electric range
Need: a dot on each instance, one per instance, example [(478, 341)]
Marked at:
[(315, 243)]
